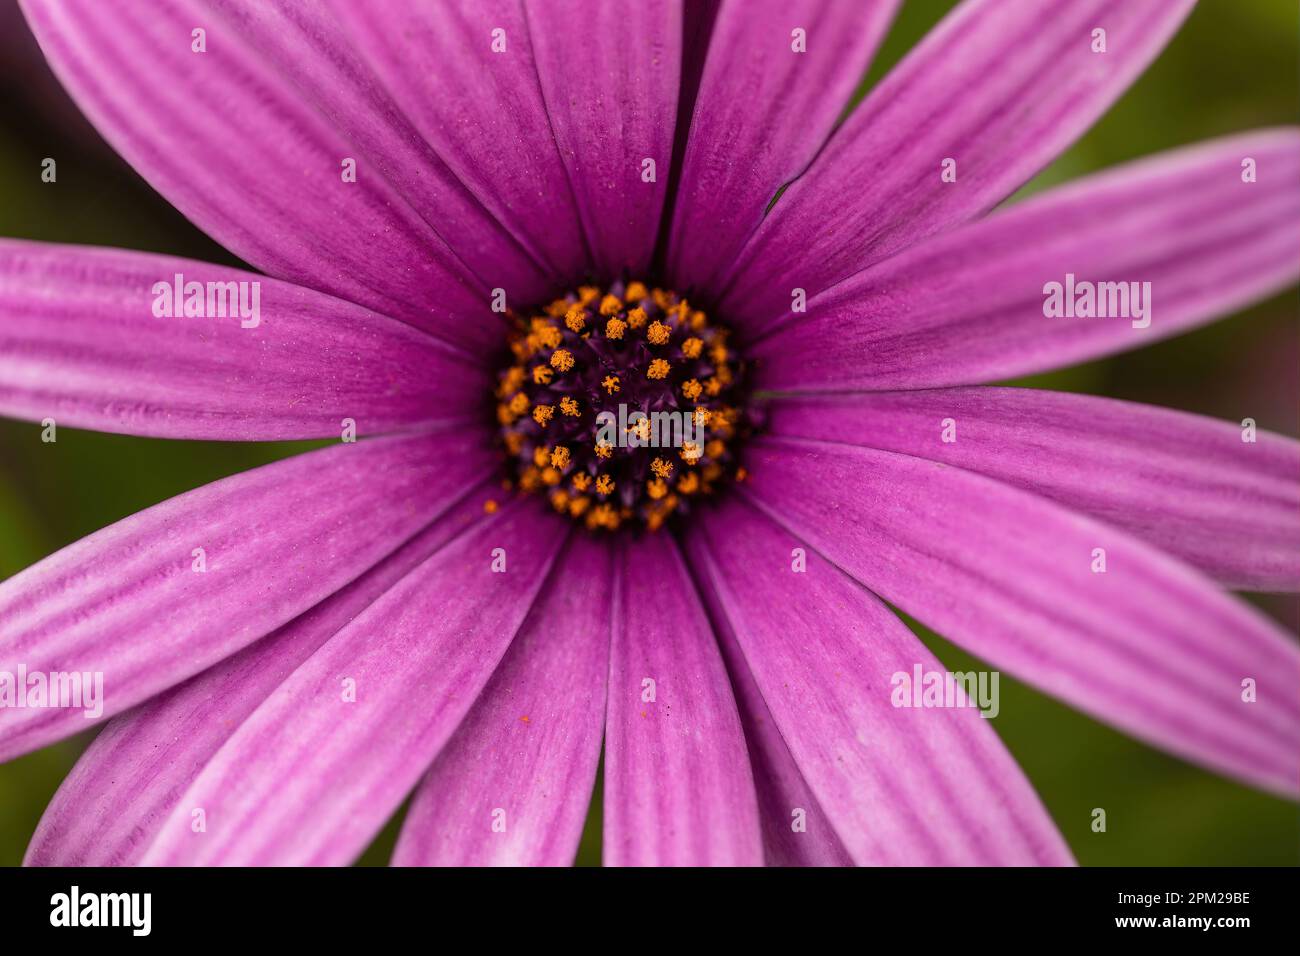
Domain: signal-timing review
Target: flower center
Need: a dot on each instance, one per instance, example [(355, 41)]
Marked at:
[(622, 407)]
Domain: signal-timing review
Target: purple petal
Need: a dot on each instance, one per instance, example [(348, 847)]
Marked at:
[(678, 787), (782, 792), (274, 106), (310, 776), (480, 110), (129, 603), (1188, 485), (512, 786), (901, 786), (762, 113), (1001, 88), (110, 807), (80, 343), (609, 75), (972, 305), (1149, 646)]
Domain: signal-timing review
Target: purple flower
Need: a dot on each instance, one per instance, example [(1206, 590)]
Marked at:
[(290, 652)]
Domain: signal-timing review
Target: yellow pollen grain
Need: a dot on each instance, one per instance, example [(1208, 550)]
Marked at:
[(490, 507), (714, 449), (656, 518), (658, 369), (610, 305), (551, 476), (656, 488), (615, 328), (692, 389), (569, 406), (692, 347), (636, 318), (575, 319), (562, 359), (578, 505), (691, 452), (560, 499), (511, 381), (603, 516), (519, 403), (658, 333), (698, 321), (604, 449), (581, 481), (550, 336), (636, 291), (504, 415), (542, 413), (587, 293), (604, 484), (611, 383), (514, 442), (557, 308), (542, 375), (702, 416), (689, 484), (641, 428), (713, 386), (662, 468), (560, 457), (541, 455), (741, 474)]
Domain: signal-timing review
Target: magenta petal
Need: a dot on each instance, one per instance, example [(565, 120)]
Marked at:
[(1150, 645), (480, 108), (274, 107), (610, 74), (512, 786), (901, 786), (762, 113), (80, 343), (678, 786), (796, 830), (1001, 88), (1188, 485), (128, 602), (312, 774), (110, 807), (972, 306)]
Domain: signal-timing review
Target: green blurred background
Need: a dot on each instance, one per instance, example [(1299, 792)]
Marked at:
[(1234, 66)]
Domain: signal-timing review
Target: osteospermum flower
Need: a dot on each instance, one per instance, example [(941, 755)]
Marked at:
[(485, 228)]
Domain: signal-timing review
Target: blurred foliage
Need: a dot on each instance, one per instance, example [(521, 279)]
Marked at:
[(1233, 66)]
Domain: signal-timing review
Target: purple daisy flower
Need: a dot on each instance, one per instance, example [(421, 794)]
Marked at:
[(485, 230)]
